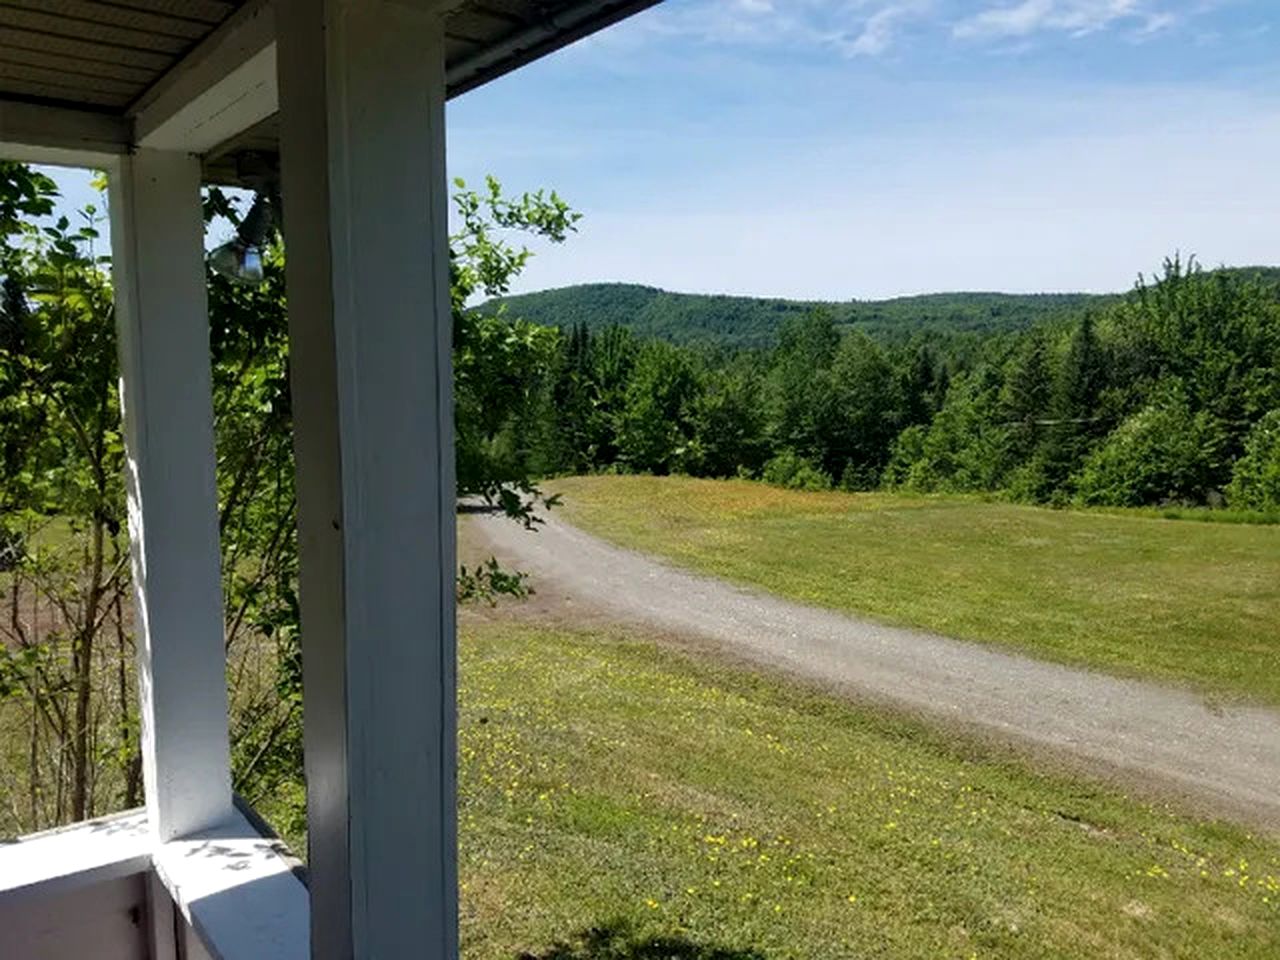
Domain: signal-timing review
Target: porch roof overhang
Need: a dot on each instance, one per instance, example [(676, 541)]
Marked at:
[(86, 78)]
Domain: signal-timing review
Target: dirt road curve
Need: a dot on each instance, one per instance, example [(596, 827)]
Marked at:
[(1225, 758)]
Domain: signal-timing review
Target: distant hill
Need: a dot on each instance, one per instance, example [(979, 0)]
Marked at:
[(755, 321), (1267, 276)]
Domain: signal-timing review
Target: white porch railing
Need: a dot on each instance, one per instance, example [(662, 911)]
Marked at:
[(108, 889)]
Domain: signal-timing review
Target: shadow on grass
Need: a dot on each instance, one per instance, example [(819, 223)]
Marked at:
[(617, 941)]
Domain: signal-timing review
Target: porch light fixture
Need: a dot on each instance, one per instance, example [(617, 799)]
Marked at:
[(240, 258)]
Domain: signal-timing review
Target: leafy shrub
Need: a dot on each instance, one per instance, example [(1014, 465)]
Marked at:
[(906, 452), (858, 477), (1255, 481), (1163, 453), (1030, 482), (794, 472), (809, 477), (964, 448)]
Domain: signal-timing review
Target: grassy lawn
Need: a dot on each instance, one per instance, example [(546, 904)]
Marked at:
[(1195, 603), (607, 783)]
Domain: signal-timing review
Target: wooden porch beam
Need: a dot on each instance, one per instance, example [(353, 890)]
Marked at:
[(223, 86), (39, 133), (362, 139), (157, 240)]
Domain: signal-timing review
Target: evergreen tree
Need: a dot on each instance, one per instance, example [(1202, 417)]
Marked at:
[(917, 374), (1073, 406), (1026, 394), (865, 413), (565, 423), (798, 394), (612, 360)]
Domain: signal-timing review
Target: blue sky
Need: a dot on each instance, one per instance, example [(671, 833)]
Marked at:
[(875, 147), (866, 148)]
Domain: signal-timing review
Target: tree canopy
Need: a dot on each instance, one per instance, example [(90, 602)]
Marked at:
[(1155, 397)]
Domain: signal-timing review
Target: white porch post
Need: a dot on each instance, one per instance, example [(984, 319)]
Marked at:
[(161, 313), (362, 139)]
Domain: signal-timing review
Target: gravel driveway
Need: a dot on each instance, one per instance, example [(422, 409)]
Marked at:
[(1224, 758)]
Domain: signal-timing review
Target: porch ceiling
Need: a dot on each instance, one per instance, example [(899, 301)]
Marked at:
[(108, 56)]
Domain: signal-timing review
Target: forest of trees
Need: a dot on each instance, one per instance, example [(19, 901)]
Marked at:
[(722, 320), (1168, 395)]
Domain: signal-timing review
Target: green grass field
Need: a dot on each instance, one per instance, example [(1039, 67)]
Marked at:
[(689, 812), (1193, 603)]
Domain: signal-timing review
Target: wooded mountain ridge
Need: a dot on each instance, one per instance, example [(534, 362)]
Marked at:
[(738, 321)]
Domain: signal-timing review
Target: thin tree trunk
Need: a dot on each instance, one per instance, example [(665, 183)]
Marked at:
[(60, 783), (82, 656), (33, 768), (128, 749)]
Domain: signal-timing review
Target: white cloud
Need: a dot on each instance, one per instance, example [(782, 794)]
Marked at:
[(878, 32), (1016, 21), (1075, 17), (1157, 22), (871, 28), (850, 27)]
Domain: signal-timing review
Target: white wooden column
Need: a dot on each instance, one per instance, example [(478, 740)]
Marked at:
[(157, 236), (362, 140)]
